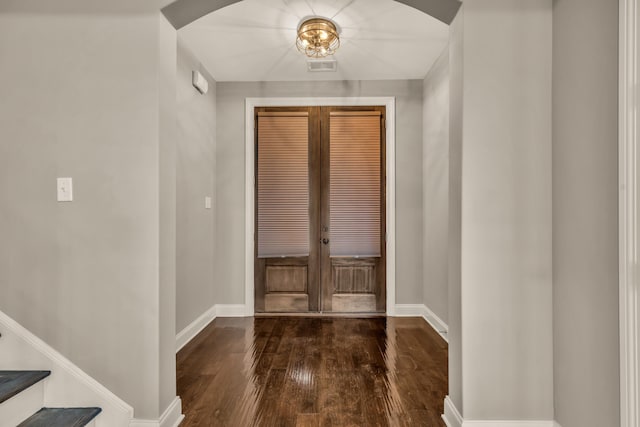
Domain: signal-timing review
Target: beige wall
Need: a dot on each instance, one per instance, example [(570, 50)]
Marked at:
[(454, 314), (585, 213), (83, 95), (230, 185), (435, 187), (167, 112), (504, 148), (195, 181)]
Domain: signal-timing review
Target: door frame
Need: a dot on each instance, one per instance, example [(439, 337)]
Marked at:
[(250, 104), (629, 215)]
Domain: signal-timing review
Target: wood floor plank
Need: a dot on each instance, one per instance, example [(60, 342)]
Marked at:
[(311, 372), (308, 420)]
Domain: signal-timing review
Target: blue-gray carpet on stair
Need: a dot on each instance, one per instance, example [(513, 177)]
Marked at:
[(13, 382), (61, 417)]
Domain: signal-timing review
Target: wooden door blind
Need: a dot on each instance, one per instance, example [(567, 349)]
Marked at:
[(354, 200), (283, 184)]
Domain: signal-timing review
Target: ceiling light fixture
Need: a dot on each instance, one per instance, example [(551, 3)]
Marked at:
[(317, 38)]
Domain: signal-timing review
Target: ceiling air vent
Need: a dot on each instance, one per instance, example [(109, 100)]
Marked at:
[(315, 66)]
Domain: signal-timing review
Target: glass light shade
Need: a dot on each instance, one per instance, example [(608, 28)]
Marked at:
[(317, 38)]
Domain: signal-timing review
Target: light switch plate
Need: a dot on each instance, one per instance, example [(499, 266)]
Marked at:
[(65, 190), (207, 202)]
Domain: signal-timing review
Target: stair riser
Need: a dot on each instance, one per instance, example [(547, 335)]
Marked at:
[(22, 405)]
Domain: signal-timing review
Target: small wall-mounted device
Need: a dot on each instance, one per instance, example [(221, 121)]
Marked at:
[(65, 189), (199, 82)]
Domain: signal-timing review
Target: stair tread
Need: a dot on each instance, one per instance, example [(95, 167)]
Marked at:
[(61, 417), (13, 382)]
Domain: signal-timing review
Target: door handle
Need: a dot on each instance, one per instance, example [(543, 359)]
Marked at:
[(325, 241)]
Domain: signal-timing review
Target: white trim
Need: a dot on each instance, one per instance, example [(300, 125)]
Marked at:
[(66, 380), (194, 328), (451, 416), (409, 310), (187, 334), (390, 105), (23, 405), (628, 215), (509, 423), (436, 322), (172, 417), (421, 310), (231, 310)]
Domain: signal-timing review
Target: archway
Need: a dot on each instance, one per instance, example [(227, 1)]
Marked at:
[(183, 12)]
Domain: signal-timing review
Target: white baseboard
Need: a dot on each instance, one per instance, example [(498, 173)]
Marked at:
[(508, 423), (230, 310), (436, 322), (68, 385), (409, 310), (421, 310), (218, 310), (172, 417), (451, 416), (188, 333), (239, 310)]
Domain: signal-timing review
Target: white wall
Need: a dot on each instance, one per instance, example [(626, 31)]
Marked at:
[(195, 181), (435, 187), (585, 213), (167, 112), (505, 134), (454, 269), (83, 89), (230, 175)]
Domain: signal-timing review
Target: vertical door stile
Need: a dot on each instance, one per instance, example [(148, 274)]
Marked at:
[(314, 209), (325, 260)]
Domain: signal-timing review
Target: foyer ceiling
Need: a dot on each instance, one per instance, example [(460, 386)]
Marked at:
[(254, 40)]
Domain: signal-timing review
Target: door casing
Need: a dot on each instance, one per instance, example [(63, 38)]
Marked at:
[(250, 105), (629, 215)]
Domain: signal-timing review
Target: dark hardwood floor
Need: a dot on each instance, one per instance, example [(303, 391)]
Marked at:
[(303, 372)]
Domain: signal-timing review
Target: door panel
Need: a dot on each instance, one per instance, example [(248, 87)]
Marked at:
[(283, 184), (287, 187), (286, 282), (286, 278), (354, 275), (354, 183), (353, 215), (327, 162)]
